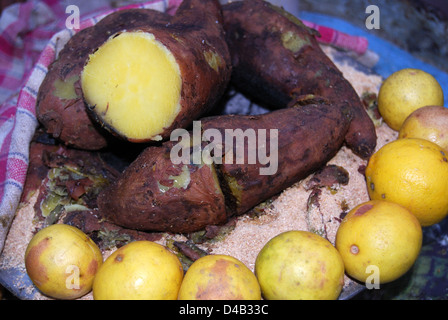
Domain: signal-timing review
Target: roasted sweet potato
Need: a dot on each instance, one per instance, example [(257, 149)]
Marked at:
[(275, 57), (141, 73), (145, 81), (60, 106), (155, 193)]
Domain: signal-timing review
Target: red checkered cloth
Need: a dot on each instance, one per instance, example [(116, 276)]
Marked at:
[(30, 39)]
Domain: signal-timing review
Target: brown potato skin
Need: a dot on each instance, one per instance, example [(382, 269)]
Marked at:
[(270, 72), (137, 201), (308, 137), (68, 119)]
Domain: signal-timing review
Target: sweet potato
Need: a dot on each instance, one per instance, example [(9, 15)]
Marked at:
[(125, 89), (155, 193), (145, 81), (308, 136), (275, 57), (60, 106)]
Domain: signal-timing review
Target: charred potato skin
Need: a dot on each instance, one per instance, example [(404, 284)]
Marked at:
[(276, 57)]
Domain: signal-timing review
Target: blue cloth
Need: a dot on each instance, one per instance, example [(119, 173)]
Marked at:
[(392, 58)]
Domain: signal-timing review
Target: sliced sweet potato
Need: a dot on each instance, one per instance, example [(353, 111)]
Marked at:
[(128, 91), (145, 81), (60, 105)]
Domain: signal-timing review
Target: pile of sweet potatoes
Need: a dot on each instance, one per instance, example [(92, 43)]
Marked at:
[(264, 52)]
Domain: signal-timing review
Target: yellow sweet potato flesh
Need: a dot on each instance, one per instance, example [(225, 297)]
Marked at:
[(136, 63)]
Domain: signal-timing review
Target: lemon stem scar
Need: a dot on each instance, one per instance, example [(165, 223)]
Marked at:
[(132, 84), (354, 249)]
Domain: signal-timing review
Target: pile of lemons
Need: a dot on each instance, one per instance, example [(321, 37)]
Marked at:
[(407, 181), (413, 170), (64, 263)]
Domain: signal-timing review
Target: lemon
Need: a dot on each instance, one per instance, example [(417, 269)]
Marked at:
[(219, 277), (404, 92), (299, 265), (62, 261), (379, 241), (429, 123), (140, 270), (412, 172)]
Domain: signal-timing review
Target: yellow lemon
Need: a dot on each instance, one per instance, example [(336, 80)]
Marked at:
[(62, 261), (219, 277), (404, 92), (379, 241), (429, 123), (140, 270), (412, 172), (299, 265)]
